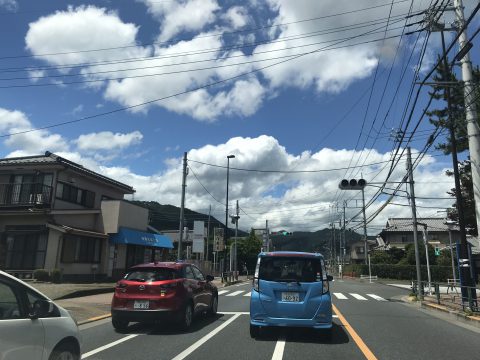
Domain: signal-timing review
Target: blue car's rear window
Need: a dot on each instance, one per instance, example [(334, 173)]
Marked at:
[(290, 269)]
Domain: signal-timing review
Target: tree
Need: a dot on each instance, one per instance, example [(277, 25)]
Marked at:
[(248, 249), (381, 257), (410, 254), (440, 118), (466, 189)]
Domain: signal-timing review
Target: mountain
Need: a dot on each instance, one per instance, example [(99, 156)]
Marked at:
[(318, 241), (167, 217)]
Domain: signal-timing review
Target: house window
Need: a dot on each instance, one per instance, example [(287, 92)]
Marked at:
[(26, 250), (81, 249), (404, 238), (360, 250), (70, 193), (29, 188), (433, 236)]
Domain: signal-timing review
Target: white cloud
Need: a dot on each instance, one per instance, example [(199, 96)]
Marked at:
[(77, 109), (293, 201), (107, 140), (237, 16), (82, 28), (30, 143), (9, 5), (182, 15)]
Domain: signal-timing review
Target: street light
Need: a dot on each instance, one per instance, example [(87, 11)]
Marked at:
[(226, 215)]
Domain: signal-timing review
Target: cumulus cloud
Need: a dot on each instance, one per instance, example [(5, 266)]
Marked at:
[(178, 75), (107, 140), (30, 143), (295, 201), (182, 15)]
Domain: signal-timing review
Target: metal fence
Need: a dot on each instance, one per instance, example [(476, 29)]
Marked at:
[(450, 294)]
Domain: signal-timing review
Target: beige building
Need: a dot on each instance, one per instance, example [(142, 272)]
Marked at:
[(57, 214)]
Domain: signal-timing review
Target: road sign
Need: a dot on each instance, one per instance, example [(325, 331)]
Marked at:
[(218, 239), (198, 243)]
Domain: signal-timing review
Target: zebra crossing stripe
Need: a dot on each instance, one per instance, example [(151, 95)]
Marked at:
[(376, 297), (223, 292), (248, 294), (340, 296), (358, 297), (235, 293)]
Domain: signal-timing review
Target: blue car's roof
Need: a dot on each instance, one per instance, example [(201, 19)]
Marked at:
[(291, 253)]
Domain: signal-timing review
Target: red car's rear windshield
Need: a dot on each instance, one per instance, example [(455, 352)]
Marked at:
[(152, 274), (277, 268)]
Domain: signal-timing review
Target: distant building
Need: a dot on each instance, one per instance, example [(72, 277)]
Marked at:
[(398, 232), (57, 214), (357, 250)]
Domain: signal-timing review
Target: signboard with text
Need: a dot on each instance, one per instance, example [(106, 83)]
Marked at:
[(198, 243)]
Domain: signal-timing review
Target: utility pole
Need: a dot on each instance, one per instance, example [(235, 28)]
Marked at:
[(414, 218), (473, 128), (364, 226), (208, 228), (425, 240), (343, 234), (182, 207), (266, 235), (236, 235)]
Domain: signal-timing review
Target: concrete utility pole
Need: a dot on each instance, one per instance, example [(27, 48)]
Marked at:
[(364, 226), (182, 207), (414, 218), (473, 128), (266, 235), (343, 234), (208, 228)]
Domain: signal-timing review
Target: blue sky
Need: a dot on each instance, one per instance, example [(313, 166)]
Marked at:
[(299, 115)]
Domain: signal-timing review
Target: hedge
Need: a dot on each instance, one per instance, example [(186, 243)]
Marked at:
[(400, 272)]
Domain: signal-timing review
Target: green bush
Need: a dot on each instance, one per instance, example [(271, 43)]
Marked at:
[(41, 275), (401, 272), (56, 276)]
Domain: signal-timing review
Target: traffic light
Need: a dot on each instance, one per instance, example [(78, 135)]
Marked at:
[(437, 251), (352, 184), (286, 233)]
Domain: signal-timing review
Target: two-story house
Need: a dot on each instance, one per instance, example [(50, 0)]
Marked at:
[(51, 218), (398, 232)]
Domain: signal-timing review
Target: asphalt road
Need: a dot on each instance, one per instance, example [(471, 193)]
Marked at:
[(371, 322)]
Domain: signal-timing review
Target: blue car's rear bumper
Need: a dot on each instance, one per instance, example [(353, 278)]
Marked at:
[(321, 320)]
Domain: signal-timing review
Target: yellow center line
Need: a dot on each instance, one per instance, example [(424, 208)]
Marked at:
[(358, 340)]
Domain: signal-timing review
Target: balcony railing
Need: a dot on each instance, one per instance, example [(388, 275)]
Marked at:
[(25, 194)]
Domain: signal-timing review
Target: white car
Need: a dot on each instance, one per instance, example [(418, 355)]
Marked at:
[(32, 326)]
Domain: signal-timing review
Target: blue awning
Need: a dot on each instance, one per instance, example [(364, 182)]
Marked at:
[(134, 237)]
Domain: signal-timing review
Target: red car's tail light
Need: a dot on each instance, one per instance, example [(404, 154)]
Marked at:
[(122, 287)]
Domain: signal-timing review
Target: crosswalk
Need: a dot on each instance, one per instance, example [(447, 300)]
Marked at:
[(336, 295), (341, 296)]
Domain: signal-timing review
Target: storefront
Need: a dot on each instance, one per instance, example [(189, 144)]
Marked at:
[(132, 247)]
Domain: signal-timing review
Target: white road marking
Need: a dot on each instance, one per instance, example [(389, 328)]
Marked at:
[(204, 339), (340, 296), (233, 313), (376, 297), (223, 292), (248, 294), (358, 297), (108, 346), (235, 293), (335, 316), (279, 348)]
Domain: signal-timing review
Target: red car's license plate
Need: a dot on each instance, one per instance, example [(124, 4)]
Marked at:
[(141, 304)]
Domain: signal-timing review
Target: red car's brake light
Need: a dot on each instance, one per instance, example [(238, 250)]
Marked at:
[(120, 286)]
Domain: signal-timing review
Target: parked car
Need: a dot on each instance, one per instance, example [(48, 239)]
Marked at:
[(165, 290), (32, 326), (290, 289)]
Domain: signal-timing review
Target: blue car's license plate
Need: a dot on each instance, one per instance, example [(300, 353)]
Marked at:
[(291, 296)]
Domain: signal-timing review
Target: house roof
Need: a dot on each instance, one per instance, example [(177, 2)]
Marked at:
[(53, 159), (406, 225)]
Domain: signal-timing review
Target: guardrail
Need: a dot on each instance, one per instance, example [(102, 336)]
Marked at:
[(450, 294)]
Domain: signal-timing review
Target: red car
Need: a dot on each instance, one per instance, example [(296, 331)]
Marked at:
[(163, 291)]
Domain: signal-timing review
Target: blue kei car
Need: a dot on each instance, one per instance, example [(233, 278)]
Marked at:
[(290, 289)]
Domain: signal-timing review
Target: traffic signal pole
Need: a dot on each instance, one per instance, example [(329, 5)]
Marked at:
[(364, 226), (182, 207)]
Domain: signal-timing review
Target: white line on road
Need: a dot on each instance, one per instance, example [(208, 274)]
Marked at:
[(235, 293), (279, 348), (340, 296), (223, 292), (108, 346), (358, 297), (376, 297), (233, 313), (335, 316), (248, 294), (204, 339)]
